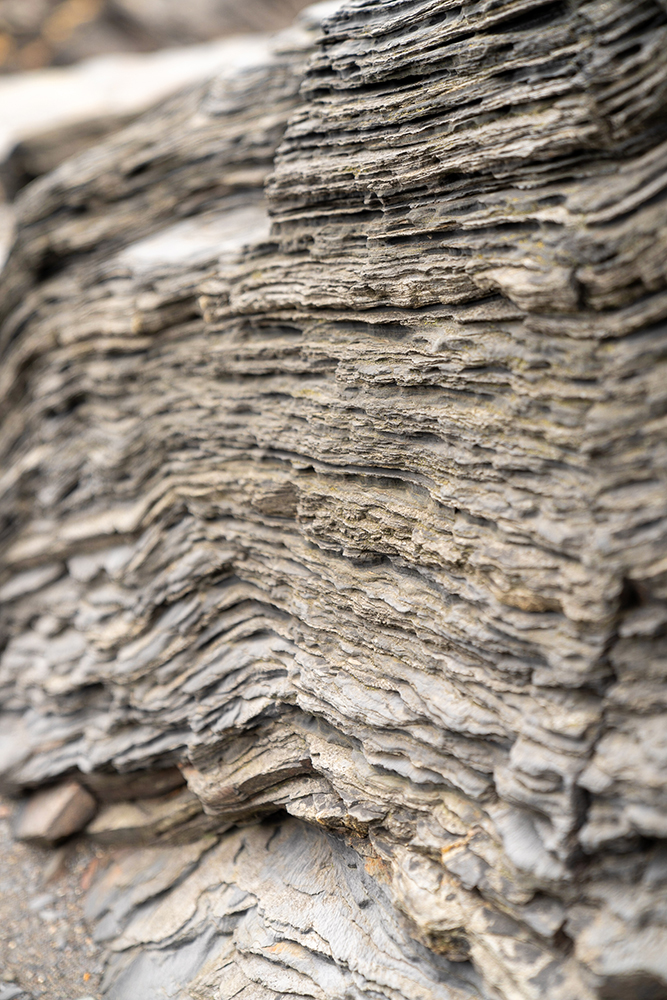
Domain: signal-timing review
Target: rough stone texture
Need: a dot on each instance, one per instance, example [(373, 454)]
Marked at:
[(348, 499), (55, 813)]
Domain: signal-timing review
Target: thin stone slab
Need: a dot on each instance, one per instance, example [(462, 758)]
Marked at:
[(55, 813)]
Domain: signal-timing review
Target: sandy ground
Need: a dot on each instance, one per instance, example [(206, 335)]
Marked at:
[(45, 943)]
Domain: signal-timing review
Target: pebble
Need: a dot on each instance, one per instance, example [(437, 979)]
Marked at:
[(39, 902), (13, 992), (54, 813)]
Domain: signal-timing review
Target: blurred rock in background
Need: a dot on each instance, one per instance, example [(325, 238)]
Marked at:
[(38, 33), (50, 114), (74, 71)]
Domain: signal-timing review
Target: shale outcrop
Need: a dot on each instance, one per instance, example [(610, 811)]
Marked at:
[(334, 516)]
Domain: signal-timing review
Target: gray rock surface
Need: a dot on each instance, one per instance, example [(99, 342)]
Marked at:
[(334, 450)]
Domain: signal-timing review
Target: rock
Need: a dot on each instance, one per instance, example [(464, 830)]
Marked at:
[(55, 866), (170, 23), (13, 992), (114, 787), (40, 901), (285, 905), (335, 389), (54, 814), (141, 822), (51, 114)]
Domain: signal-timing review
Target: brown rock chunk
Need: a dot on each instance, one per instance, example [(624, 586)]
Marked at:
[(55, 813)]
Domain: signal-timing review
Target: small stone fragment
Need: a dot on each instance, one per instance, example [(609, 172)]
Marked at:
[(56, 813), (13, 992), (55, 866)]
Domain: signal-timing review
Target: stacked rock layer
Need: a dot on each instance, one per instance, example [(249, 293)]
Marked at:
[(334, 449)]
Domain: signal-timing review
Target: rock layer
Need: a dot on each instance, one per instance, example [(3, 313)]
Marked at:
[(334, 449)]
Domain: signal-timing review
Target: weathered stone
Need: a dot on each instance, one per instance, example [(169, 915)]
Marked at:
[(335, 392), (113, 787), (55, 813), (285, 909), (140, 822), (13, 992)]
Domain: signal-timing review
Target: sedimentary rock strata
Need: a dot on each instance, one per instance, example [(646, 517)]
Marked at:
[(334, 450)]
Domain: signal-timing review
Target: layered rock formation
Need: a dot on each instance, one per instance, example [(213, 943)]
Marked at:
[(50, 115), (334, 486)]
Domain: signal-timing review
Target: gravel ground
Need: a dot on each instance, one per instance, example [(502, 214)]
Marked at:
[(45, 943)]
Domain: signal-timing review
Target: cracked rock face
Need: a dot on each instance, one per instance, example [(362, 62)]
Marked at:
[(333, 449)]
